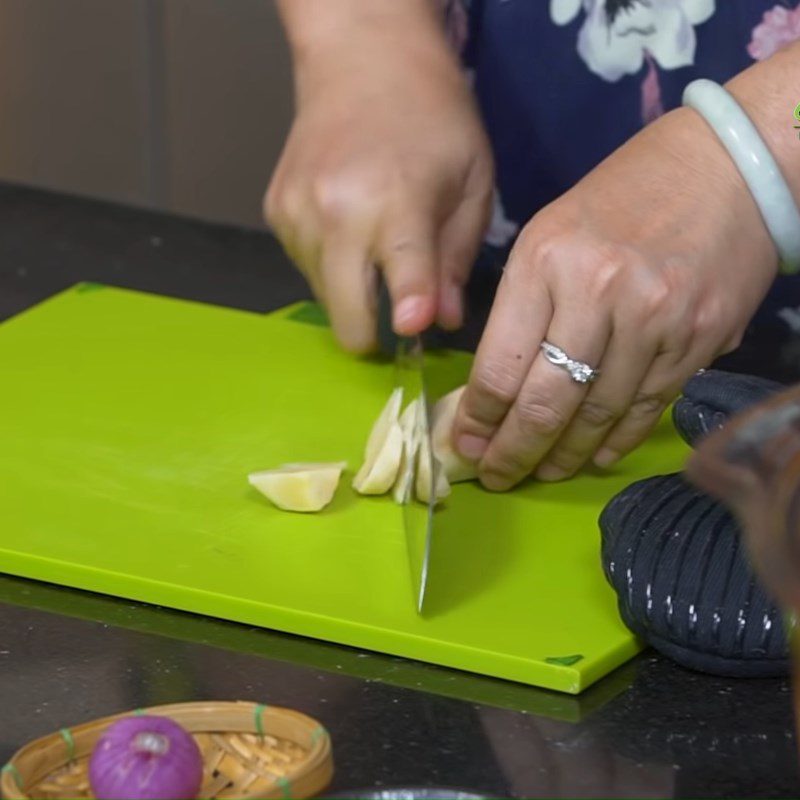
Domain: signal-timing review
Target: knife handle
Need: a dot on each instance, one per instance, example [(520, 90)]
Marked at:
[(387, 338)]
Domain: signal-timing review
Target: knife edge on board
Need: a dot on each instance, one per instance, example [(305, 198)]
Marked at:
[(409, 361)]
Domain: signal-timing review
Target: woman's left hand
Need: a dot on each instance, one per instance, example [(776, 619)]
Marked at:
[(647, 269)]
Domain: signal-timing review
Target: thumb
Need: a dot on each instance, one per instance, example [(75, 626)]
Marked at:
[(408, 257)]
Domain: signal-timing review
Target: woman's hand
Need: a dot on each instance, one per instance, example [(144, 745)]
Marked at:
[(647, 269), (386, 165)]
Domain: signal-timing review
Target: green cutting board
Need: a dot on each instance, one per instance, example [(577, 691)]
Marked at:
[(128, 424)]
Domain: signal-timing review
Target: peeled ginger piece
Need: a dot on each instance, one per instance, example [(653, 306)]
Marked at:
[(378, 475), (409, 427), (424, 480), (455, 467), (299, 487), (384, 450)]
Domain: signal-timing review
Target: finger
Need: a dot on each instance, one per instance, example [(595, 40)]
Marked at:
[(347, 281), (314, 279), (408, 256), (519, 318), (306, 258), (271, 206), (624, 367), (660, 387), (450, 314), (459, 242), (304, 248), (547, 400), (296, 232)]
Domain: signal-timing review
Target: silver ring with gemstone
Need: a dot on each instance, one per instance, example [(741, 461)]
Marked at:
[(579, 371)]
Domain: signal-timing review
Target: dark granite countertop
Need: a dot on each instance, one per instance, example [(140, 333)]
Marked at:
[(651, 729)]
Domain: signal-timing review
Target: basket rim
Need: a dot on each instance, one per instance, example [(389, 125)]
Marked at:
[(255, 719)]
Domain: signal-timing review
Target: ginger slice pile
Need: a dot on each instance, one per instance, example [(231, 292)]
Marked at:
[(384, 450), (410, 427), (397, 458)]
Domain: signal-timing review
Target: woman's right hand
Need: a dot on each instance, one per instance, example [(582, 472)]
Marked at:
[(386, 165)]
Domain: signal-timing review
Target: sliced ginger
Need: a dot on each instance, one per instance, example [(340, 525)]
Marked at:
[(409, 426), (397, 456), (299, 487), (384, 450), (455, 468), (396, 446), (423, 484)]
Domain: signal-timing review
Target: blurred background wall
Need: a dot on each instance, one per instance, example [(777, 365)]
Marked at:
[(180, 105)]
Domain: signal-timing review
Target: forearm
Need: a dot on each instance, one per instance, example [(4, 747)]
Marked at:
[(310, 24), (333, 42), (769, 91)]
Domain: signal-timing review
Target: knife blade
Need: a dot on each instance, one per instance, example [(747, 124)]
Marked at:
[(418, 518)]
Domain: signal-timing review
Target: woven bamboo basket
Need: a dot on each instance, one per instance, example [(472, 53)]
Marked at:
[(249, 751)]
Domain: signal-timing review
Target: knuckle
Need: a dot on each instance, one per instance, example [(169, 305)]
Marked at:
[(342, 196), (542, 250), (329, 197), (609, 272), (514, 270), (646, 295), (281, 205), (611, 263), (646, 406), (537, 417), (495, 481), (612, 254), (566, 458), (596, 414), (709, 319), (636, 426), (505, 464), (288, 206), (657, 301), (676, 343), (269, 209), (413, 248), (531, 256), (650, 300), (496, 382), (733, 342)]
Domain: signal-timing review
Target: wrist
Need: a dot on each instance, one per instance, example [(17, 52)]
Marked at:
[(768, 94), (691, 142), (756, 163), (315, 29), (373, 45)]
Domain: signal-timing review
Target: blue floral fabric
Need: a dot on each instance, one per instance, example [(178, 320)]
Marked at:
[(563, 83)]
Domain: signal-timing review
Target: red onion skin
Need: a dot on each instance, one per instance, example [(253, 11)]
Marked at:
[(120, 770)]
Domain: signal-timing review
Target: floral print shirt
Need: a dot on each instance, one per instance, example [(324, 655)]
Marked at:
[(563, 83)]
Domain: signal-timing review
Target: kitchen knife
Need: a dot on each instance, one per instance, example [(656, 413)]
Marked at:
[(409, 361)]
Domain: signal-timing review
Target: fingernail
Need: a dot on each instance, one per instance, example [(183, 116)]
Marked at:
[(550, 473), (605, 457), (472, 447), (407, 309)]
